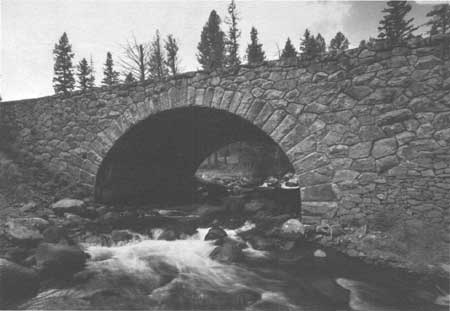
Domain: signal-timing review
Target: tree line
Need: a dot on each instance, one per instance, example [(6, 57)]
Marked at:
[(218, 50)]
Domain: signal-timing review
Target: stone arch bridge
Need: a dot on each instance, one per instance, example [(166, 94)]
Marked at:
[(365, 130)]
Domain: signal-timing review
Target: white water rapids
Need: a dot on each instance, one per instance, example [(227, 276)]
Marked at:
[(152, 274)]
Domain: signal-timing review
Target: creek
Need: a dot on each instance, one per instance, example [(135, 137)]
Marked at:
[(148, 273)]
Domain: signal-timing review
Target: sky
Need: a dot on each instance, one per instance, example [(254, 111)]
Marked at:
[(30, 29)]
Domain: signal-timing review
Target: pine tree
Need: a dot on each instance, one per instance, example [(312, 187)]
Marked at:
[(394, 27), (320, 45), (171, 47), (91, 79), (111, 77), (232, 46), (339, 42), (289, 50), (307, 44), (439, 19), (84, 74), (157, 65), (255, 54), (63, 80), (211, 46), (129, 78)]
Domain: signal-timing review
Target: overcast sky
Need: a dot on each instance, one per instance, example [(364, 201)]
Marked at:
[(30, 28)]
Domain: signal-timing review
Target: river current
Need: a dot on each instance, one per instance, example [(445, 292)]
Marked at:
[(147, 273)]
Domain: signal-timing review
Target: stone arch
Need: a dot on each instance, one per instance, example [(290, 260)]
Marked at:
[(153, 154), (298, 136)]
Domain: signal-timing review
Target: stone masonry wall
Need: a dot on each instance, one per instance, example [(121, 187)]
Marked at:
[(366, 130)]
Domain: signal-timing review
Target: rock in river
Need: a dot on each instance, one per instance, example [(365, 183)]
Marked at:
[(59, 261), (55, 234), (293, 226), (16, 283), (215, 233), (68, 206), (121, 236), (26, 228), (320, 253), (228, 252)]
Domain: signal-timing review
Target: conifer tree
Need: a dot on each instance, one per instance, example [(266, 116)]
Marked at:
[(211, 46), (255, 54), (63, 80), (439, 19), (84, 74), (129, 78), (157, 66), (171, 47), (91, 79), (289, 50), (111, 77), (319, 44), (232, 58), (394, 27), (339, 42), (307, 43)]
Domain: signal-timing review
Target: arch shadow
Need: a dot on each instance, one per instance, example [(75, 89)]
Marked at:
[(156, 159)]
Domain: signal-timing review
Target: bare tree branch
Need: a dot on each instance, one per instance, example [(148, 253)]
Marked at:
[(135, 59)]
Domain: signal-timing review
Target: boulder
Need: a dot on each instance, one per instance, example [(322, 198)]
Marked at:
[(215, 233), (16, 283), (55, 234), (59, 261), (168, 235), (110, 218), (68, 206), (26, 229), (324, 229), (293, 226), (320, 253), (74, 219), (28, 206), (229, 252), (121, 236), (16, 254), (331, 291)]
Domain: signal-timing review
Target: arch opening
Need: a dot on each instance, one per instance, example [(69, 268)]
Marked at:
[(156, 160)]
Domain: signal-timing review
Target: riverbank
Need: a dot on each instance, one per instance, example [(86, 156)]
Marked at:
[(32, 213), (75, 228), (83, 219)]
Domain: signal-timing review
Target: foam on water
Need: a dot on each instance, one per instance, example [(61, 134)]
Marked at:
[(189, 257)]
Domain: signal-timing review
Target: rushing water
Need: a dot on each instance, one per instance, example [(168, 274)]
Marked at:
[(152, 274)]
